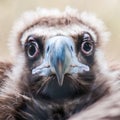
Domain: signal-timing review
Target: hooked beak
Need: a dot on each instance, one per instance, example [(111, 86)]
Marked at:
[(60, 58)]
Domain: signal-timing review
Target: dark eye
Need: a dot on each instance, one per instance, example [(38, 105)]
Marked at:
[(87, 44), (87, 47), (32, 50)]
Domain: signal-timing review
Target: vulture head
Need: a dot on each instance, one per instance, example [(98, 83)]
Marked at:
[(59, 53)]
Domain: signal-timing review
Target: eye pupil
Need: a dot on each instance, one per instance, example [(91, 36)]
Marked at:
[(32, 50), (87, 46)]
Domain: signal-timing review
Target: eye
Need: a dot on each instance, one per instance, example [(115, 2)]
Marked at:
[(87, 47), (32, 49), (87, 44)]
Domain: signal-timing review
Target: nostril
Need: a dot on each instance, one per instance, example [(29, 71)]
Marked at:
[(71, 48), (48, 49)]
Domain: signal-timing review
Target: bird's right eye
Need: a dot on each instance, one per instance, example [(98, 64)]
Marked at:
[(32, 49)]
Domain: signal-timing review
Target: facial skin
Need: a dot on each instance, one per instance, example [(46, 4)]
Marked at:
[(60, 63)]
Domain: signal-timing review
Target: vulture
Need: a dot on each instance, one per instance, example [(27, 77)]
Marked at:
[(58, 69)]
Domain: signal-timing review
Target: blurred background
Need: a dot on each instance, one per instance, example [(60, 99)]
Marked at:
[(107, 10)]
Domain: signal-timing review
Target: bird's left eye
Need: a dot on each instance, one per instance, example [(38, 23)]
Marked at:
[(87, 44), (32, 49), (87, 47)]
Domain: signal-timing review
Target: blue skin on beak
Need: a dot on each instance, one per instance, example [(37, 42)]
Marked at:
[(60, 59)]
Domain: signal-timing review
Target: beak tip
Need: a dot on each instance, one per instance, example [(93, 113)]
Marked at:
[(60, 80)]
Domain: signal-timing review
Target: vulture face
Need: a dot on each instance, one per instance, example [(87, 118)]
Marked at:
[(60, 52), (59, 57), (59, 63)]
